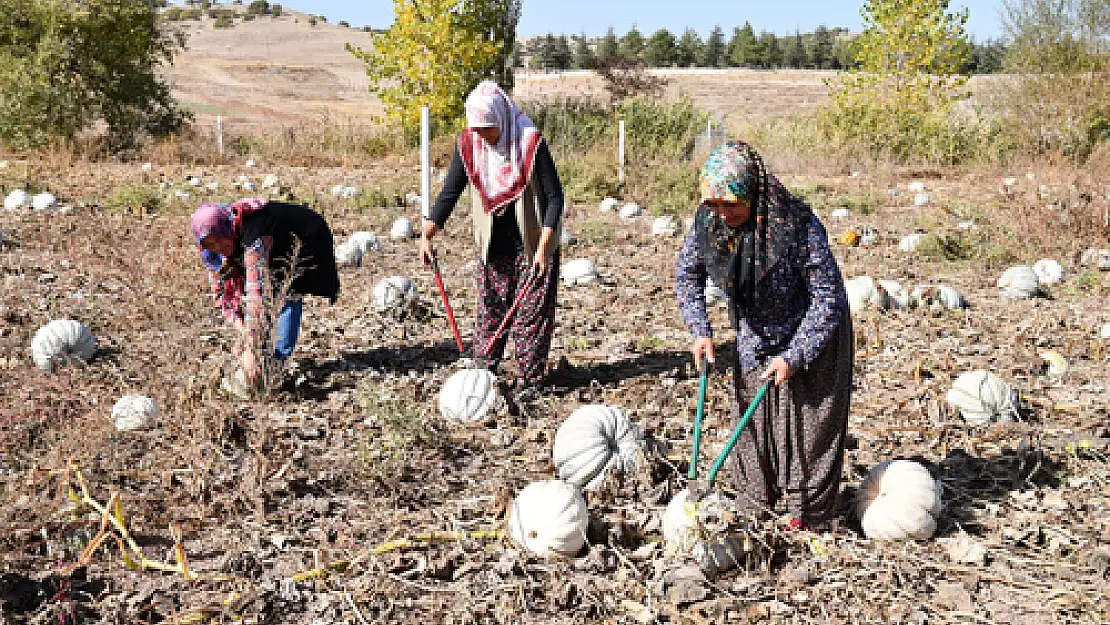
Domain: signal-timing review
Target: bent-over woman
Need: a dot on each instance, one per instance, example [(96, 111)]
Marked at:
[(769, 253), (252, 243), (516, 209)]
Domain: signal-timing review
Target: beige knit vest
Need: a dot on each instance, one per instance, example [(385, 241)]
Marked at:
[(527, 219)]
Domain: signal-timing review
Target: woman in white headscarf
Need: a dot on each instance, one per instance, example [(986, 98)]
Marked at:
[(516, 209)]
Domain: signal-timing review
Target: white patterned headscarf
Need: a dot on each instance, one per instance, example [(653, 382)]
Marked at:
[(500, 172)]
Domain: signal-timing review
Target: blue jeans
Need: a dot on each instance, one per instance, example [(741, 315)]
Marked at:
[(288, 327)]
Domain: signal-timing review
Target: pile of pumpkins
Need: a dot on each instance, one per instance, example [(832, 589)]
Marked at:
[(864, 293)]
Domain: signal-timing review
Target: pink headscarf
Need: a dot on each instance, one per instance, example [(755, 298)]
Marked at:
[(221, 220), (498, 173)]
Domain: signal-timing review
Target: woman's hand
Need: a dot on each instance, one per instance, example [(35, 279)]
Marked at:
[(703, 346), (778, 371), (251, 369), (540, 260), (427, 253)]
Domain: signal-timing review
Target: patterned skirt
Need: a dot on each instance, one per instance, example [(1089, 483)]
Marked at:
[(793, 448), (499, 282)]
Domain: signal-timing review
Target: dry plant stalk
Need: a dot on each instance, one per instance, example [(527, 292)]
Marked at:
[(111, 518)]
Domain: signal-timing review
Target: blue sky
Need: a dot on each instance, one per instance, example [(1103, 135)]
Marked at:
[(594, 16)]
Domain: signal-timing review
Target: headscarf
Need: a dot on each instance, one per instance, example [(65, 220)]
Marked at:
[(498, 173), (221, 220), (738, 259)]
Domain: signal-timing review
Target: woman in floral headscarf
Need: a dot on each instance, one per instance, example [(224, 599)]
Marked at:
[(252, 243), (770, 255), (516, 210)]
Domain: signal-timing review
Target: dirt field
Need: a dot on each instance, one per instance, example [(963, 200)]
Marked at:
[(282, 504)]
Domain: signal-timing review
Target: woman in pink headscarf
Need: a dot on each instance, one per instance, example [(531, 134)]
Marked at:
[(252, 243), (516, 212)]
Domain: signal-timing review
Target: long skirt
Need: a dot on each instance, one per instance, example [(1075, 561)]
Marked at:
[(793, 447), (533, 323)]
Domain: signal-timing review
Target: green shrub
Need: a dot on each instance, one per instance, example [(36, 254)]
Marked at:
[(946, 247), (135, 199)]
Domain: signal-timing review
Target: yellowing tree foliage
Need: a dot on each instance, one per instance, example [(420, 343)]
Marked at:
[(435, 52), (899, 99)]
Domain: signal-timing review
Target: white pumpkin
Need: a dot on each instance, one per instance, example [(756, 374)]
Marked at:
[(899, 500), (609, 204), (664, 226), (270, 182), (348, 254), (698, 530), (868, 237), (251, 163), (899, 297), (714, 294), (580, 271), (17, 199), (1104, 331), (337, 190), (840, 213), (350, 193), (44, 201), (1048, 271), (863, 294), (549, 519), (911, 242), (1019, 282), (365, 241), (982, 397), (1057, 364), (134, 412), (950, 298), (921, 199), (402, 229), (630, 210), (915, 187), (594, 441), (470, 396), (62, 341), (248, 186), (394, 294)]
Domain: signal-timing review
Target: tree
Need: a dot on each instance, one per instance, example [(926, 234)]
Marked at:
[(563, 56), (583, 55), (276, 10), (609, 47), (771, 55), (259, 7), (796, 56), (499, 19), (689, 49), (67, 65), (713, 54), (901, 96), (741, 50), (544, 53), (433, 55), (845, 52), (632, 44), (661, 49), (821, 49)]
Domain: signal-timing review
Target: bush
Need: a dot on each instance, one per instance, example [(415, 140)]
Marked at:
[(135, 199), (224, 21), (276, 10), (946, 247)]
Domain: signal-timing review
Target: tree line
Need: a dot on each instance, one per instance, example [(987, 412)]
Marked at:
[(824, 48)]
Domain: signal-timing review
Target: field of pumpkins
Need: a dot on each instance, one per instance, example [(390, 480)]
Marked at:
[(382, 478)]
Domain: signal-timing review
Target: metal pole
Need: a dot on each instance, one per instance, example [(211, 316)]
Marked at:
[(620, 171), (220, 134), (425, 163)]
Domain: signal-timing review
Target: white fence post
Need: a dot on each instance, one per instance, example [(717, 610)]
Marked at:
[(220, 134), (620, 157), (425, 163)]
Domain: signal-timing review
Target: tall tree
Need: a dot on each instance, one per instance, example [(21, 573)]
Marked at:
[(609, 47), (661, 49), (66, 65), (435, 52), (713, 54), (796, 56), (689, 49), (563, 56), (583, 54), (742, 48), (771, 54), (632, 44), (821, 54), (498, 18), (544, 53)]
